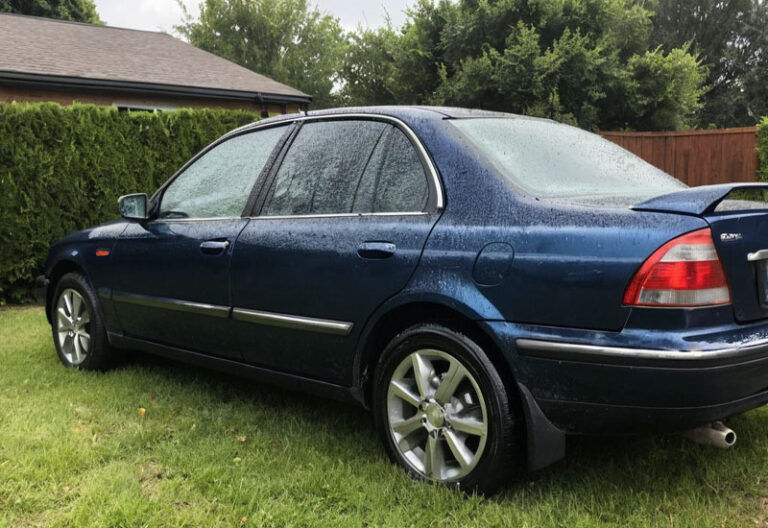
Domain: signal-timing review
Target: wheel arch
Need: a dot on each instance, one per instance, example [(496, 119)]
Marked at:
[(396, 317), (544, 443), (61, 268)]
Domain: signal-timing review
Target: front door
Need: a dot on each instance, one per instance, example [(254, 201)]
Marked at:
[(341, 230), (171, 274)]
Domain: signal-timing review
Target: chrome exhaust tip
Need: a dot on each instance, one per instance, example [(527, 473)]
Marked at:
[(715, 434)]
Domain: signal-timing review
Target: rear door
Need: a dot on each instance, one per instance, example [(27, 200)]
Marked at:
[(171, 274), (341, 229)]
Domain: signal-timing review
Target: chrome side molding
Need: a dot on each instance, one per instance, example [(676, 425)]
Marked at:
[(325, 326), (212, 310), (297, 322), (579, 352)]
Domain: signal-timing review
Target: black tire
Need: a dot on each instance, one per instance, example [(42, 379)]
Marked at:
[(500, 456), (98, 354)]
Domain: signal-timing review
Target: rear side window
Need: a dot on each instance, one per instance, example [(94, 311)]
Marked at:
[(340, 167), (219, 182), (394, 179)]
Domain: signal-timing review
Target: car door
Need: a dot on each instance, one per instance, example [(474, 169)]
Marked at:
[(171, 282), (341, 229)]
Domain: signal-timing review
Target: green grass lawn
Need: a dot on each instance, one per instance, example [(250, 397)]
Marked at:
[(211, 451)]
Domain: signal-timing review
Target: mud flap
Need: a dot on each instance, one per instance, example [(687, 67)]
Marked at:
[(546, 443)]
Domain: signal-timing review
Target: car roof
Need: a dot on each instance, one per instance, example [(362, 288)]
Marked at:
[(404, 113), (435, 112)]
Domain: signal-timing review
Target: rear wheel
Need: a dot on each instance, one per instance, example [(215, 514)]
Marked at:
[(78, 326), (443, 411)]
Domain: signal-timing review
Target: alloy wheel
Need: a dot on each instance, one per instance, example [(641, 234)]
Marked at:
[(437, 415), (73, 326)]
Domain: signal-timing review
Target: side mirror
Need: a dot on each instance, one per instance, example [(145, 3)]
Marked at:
[(133, 206)]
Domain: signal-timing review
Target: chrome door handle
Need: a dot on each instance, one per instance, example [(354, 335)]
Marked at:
[(376, 250), (214, 247)]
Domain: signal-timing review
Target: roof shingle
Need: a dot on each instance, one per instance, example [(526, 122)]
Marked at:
[(44, 46)]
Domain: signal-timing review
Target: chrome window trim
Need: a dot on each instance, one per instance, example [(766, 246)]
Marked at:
[(440, 193), (311, 324), (537, 347), (213, 310), (284, 217), (439, 199), (208, 219), (337, 215)]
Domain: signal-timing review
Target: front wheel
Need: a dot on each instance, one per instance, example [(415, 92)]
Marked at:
[(443, 411), (78, 326)]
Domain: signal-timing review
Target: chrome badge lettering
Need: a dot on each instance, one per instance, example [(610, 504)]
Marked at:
[(729, 237)]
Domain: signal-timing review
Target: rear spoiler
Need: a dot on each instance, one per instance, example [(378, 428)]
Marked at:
[(696, 201)]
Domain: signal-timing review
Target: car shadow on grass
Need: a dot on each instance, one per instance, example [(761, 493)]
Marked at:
[(228, 388), (648, 467)]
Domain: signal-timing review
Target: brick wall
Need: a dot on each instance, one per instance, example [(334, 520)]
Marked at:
[(10, 94)]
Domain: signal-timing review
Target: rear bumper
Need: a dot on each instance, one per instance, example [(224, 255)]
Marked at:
[(632, 390), (643, 356), (590, 418), (609, 386)]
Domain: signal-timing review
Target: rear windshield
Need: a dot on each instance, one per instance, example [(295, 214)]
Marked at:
[(547, 160)]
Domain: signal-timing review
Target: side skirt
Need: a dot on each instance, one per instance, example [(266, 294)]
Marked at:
[(244, 370)]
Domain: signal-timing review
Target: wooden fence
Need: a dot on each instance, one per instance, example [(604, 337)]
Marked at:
[(698, 157)]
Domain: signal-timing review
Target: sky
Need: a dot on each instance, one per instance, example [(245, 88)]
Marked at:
[(162, 15)]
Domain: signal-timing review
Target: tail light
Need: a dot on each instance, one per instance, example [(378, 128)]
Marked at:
[(685, 271)]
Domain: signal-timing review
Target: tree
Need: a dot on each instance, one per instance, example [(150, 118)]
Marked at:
[(731, 37), (369, 65), (283, 39), (75, 10), (588, 62)]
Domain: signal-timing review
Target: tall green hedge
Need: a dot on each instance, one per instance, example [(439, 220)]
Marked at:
[(62, 168), (762, 149)]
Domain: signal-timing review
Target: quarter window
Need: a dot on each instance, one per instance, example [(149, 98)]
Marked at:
[(218, 183), (349, 166)]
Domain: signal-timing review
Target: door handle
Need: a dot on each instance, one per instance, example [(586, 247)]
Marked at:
[(376, 250), (214, 247)]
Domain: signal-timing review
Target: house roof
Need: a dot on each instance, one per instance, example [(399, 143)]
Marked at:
[(88, 55)]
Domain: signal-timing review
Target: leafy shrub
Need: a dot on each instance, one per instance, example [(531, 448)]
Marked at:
[(62, 168), (762, 149)]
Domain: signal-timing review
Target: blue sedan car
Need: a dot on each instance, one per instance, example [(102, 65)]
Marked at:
[(485, 283)]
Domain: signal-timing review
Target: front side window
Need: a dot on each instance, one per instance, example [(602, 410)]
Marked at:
[(341, 167), (218, 183)]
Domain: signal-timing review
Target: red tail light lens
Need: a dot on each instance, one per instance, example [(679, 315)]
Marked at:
[(685, 271)]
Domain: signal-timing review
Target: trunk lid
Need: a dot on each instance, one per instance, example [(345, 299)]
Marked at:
[(738, 217)]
